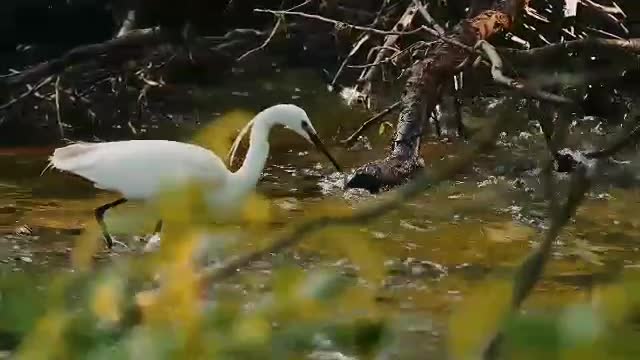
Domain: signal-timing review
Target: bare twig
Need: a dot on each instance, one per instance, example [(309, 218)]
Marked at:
[(337, 22), (354, 50), (368, 76), (364, 37), (498, 76), (307, 2), (624, 141), (266, 41), (390, 58), (605, 33), (58, 112), (447, 39), (26, 93), (132, 39), (367, 124), (603, 47), (614, 9), (425, 14), (128, 23), (611, 14)]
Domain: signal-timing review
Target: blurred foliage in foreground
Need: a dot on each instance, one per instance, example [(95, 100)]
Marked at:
[(158, 305)]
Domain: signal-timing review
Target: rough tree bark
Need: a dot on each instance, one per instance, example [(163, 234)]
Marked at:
[(423, 91)]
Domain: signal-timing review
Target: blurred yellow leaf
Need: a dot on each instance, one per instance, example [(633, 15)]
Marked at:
[(220, 133), (360, 299), (145, 299), (357, 246), (331, 207), (46, 341), (252, 330), (107, 298), (477, 319), (256, 210), (617, 302), (86, 246), (508, 232), (177, 302), (185, 205)]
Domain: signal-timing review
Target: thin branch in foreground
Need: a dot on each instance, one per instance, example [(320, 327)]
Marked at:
[(422, 181), (530, 270), (567, 159), (371, 121)]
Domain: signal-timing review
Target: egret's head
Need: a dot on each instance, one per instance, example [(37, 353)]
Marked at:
[(296, 119)]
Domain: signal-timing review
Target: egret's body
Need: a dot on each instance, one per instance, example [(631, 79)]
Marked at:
[(139, 169), (133, 169)]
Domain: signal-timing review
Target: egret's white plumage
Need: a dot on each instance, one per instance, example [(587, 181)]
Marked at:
[(139, 169)]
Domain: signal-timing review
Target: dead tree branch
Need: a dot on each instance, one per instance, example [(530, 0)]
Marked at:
[(498, 76), (368, 76), (133, 39), (601, 47), (336, 22), (26, 94), (423, 91), (428, 18), (626, 139), (370, 122), (265, 42), (363, 39)]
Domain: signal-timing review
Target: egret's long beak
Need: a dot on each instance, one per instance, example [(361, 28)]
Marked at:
[(318, 143)]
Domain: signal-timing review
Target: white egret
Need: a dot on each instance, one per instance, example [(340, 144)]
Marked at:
[(139, 169)]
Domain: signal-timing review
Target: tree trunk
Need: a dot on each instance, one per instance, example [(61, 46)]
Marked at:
[(423, 91)]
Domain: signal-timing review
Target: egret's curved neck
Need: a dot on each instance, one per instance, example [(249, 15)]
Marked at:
[(246, 178)]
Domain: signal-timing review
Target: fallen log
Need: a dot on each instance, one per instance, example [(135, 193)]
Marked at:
[(427, 78), (134, 39)]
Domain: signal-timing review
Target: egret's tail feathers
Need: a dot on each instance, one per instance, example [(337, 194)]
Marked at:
[(71, 156)]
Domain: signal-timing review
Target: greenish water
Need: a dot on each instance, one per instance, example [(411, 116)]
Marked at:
[(437, 248)]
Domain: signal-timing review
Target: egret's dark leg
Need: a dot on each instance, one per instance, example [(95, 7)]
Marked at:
[(158, 227), (100, 218)]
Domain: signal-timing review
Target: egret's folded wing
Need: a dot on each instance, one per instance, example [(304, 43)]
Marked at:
[(138, 168)]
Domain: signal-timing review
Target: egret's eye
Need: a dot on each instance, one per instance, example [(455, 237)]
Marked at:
[(305, 125)]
